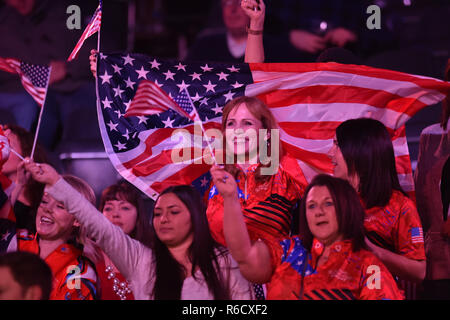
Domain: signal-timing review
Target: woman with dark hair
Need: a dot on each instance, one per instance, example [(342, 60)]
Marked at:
[(183, 263), (122, 204), (363, 154), (327, 260)]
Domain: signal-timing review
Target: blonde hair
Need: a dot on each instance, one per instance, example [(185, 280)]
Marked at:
[(90, 249)]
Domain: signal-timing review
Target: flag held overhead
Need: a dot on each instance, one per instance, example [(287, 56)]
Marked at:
[(309, 100), (92, 27)]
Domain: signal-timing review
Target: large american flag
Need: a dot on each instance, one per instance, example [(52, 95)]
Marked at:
[(34, 78), (308, 100), (92, 27)]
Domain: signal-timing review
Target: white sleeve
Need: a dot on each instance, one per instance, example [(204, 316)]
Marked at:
[(125, 252)]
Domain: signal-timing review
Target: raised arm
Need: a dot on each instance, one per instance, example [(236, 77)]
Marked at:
[(125, 252), (253, 258), (255, 10)]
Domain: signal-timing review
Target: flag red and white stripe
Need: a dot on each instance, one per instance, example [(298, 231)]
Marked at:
[(93, 27), (311, 100)]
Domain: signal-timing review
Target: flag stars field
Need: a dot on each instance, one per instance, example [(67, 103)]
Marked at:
[(120, 146), (169, 75), (196, 76), (116, 68), (128, 60), (155, 64), (105, 77), (130, 84), (206, 68), (223, 76), (142, 73)]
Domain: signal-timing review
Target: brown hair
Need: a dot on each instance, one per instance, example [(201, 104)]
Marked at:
[(349, 211), (124, 190), (261, 112), (79, 235)]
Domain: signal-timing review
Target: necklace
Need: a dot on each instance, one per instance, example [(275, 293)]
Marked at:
[(120, 288)]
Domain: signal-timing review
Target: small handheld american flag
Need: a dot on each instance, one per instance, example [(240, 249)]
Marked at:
[(92, 27), (34, 78)]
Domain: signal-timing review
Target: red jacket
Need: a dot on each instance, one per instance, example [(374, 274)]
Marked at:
[(73, 276), (346, 275), (266, 206)]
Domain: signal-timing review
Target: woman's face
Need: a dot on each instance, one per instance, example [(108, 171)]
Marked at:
[(10, 166), (172, 221), (321, 215), (53, 221), (121, 213), (242, 130), (340, 165)]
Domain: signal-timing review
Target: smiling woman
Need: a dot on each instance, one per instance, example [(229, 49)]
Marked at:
[(59, 242)]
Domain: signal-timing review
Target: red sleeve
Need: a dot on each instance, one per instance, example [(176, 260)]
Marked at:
[(409, 236), (294, 175)]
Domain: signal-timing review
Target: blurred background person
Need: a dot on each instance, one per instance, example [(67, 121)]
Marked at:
[(229, 44), (24, 276)]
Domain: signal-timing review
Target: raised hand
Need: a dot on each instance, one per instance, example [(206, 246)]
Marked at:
[(256, 11), (93, 62), (224, 182), (41, 172)]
